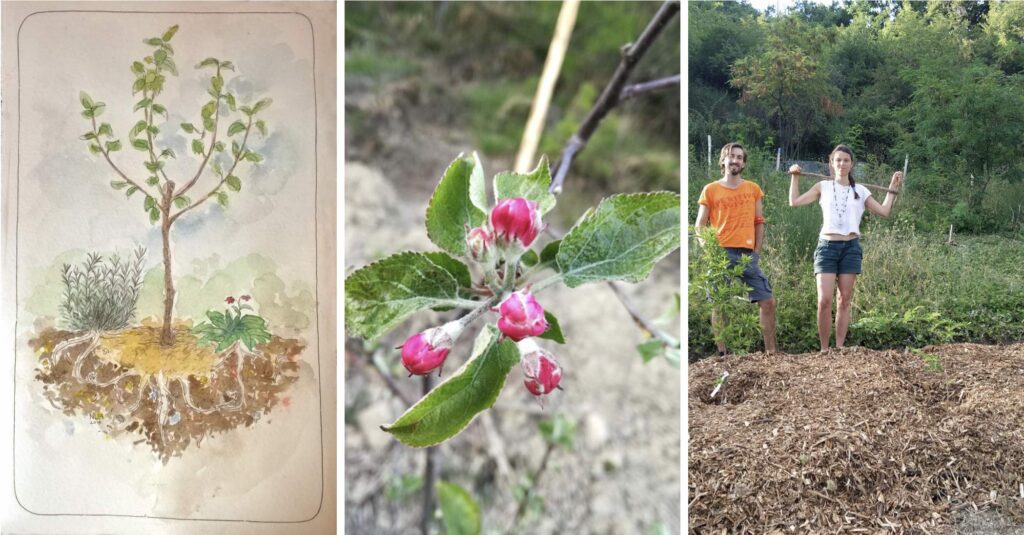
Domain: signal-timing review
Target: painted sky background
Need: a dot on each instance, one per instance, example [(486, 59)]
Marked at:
[(65, 202)]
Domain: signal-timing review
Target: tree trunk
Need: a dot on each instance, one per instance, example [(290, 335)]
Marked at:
[(167, 334)]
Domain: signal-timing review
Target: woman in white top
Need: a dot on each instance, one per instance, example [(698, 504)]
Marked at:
[(838, 255)]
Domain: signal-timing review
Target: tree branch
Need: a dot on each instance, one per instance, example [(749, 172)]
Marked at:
[(641, 321), (631, 91), (213, 142), (611, 96), (106, 156), (238, 158)]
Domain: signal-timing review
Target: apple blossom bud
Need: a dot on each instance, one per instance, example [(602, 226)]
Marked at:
[(521, 316), (541, 374), (426, 351), (515, 221), (479, 243)]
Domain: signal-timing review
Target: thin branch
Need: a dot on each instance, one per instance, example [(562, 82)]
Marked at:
[(640, 320), (631, 91), (525, 501), (213, 142), (610, 97), (238, 158), (106, 156)]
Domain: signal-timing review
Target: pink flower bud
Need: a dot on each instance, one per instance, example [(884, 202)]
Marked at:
[(541, 374), (521, 316), (424, 352), (516, 220), (229, 300), (479, 242)]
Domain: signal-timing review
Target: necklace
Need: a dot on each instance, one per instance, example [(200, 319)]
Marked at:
[(840, 207)]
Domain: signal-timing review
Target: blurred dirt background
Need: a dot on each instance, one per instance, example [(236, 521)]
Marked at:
[(425, 82)]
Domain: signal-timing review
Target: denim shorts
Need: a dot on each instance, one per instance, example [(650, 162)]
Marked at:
[(834, 256), (753, 277)]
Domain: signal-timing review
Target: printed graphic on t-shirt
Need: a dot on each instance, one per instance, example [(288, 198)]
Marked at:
[(731, 212)]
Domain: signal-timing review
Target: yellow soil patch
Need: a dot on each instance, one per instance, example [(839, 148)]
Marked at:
[(139, 348)]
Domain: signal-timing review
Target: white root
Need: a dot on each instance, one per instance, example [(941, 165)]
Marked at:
[(163, 408), (61, 348), (138, 401), (187, 394), (81, 356), (129, 373)]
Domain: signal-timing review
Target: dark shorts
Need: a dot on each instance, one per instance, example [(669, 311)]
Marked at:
[(838, 256), (753, 277)]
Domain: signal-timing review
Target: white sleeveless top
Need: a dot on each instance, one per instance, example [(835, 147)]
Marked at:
[(841, 212)]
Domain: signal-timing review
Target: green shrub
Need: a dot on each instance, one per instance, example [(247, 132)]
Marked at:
[(101, 295)]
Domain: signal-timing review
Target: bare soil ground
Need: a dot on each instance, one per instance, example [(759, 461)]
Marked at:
[(858, 440)]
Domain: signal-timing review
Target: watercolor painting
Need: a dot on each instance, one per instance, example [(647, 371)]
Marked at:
[(167, 325)]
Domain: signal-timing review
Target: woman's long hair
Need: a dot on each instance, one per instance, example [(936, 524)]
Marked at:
[(853, 162)]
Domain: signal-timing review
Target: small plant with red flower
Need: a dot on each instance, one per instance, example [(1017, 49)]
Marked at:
[(239, 323)]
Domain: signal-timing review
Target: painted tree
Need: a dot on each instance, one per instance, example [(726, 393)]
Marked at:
[(164, 199)]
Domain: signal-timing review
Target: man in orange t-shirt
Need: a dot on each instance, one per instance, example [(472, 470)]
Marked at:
[(733, 207)]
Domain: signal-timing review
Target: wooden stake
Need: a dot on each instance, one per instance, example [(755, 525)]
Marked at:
[(869, 186)]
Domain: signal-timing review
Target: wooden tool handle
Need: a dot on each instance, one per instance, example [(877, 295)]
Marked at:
[(869, 186)]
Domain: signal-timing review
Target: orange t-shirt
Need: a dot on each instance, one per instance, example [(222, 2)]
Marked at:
[(731, 212)]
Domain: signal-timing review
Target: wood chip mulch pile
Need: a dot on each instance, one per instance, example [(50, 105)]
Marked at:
[(856, 440)]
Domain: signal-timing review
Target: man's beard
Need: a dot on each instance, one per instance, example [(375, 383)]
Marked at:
[(739, 169)]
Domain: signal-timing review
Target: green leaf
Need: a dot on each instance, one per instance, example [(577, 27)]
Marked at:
[(230, 99), (154, 41), (236, 149), (236, 127), (97, 110), (233, 182), (206, 63), (167, 153), (149, 203), (142, 104), (159, 56), (152, 181), (209, 109), (182, 201), (262, 127), (105, 130), (450, 210), (113, 146), (227, 65), (139, 127), (188, 128), (262, 105), (217, 82), (217, 169), (650, 349), (621, 240), (153, 130), (88, 135), (382, 294), (140, 144), (131, 191), (222, 199), (529, 258), (95, 149), (154, 215), (218, 146), (118, 184), (170, 65), (139, 84), (252, 157), (170, 33), (474, 387), (208, 124), (88, 114), (158, 108), (459, 511), (558, 430), (554, 331), (154, 166), (550, 251), (532, 186), (138, 68), (245, 109), (86, 100), (167, 46), (477, 185), (197, 146)]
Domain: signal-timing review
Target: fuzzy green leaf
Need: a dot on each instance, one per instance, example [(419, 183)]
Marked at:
[(236, 127), (382, 294), (140, 144), (148, 203), (197, 146), (554, 331), (152, 181), (621, 240), (209, 109), (170, 33), (650, 349), (262, 105), (113, 146), (182, 201), (154, 215), (208, 124), (529, 258), (473, 388), (139, 127), (233, 182), (105, 130), (188, 128), (532, 186), (550, 251), (459, 511), (451, 209)]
